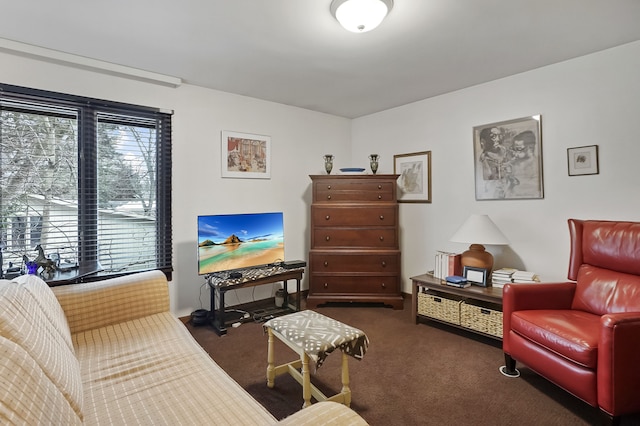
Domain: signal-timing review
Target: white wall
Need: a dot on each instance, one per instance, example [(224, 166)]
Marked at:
[(585, 101), (591, 100), (299, 139)]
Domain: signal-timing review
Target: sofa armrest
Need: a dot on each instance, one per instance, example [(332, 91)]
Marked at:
[(325, 413), (97, 304), (618, 368)]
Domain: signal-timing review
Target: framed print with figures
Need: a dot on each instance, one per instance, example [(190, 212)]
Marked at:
[(508, 159)]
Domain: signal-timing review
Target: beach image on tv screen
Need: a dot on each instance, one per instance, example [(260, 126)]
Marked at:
[(236, 241)]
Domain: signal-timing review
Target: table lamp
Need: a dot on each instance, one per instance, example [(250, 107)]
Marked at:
[(477, 230)]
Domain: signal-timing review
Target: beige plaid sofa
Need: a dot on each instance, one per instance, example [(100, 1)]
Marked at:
[(110, 352)]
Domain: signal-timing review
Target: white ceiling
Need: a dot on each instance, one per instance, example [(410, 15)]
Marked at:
[(294, 52)]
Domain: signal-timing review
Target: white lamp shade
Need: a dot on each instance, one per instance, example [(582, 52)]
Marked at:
[(479, 229), (360, 16)]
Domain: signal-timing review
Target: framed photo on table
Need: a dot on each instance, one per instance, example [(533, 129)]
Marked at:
[(508, 159), (583, 160), (476, 276), (414, 183), (245, 155)]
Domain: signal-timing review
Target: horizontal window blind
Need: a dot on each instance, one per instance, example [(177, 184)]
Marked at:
[(127, 165), (82, 181)]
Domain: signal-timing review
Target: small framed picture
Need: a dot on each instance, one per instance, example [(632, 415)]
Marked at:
[(583, 160), (476, 276), (245, 155), (414, 183)]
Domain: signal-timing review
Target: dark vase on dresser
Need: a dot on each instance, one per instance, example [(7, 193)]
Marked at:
[(355, 254)]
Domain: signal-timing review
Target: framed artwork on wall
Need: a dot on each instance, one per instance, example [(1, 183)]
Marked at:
[(508, 159), (414, 183), (245, 155), (583, 160)]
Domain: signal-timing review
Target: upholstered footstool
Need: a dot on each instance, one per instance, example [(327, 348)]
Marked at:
[(313, 336)]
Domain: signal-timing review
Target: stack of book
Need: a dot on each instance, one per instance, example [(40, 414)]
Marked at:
[(525, 277), (447, 264), (502, 276), (457, 281)]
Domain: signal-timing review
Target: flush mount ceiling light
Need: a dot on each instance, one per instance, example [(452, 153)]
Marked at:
[(360, 16)]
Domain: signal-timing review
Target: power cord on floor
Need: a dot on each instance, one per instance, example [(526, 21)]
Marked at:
[(200, 296)]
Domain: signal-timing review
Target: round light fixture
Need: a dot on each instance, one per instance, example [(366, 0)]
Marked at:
[(360, 16)]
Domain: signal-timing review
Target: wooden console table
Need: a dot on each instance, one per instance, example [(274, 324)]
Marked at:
[(476, 309), (220, 284)]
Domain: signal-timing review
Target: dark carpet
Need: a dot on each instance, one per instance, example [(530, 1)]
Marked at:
[(424, 374)]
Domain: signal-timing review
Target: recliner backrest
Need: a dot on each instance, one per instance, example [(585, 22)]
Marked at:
[(605, 263), (602, 291)]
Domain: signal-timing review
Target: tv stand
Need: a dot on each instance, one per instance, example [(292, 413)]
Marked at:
[(219, 284)]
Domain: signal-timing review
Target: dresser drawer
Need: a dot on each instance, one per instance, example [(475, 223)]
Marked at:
[(334, 191), (330, 262), (348, 196), (372, 238), (354, 185), (354, 216), (353, 284)]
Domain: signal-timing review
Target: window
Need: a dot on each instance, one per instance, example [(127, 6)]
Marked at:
[(85, 180), (18, 230)]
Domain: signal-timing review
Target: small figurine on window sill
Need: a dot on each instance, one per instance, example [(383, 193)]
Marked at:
[(41, 261), (32, 267)]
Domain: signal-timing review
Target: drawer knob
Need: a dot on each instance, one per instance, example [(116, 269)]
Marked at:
[(326, 263), (328, 197), (328, 186), (384, 285), (379, 186), (379, 197), (384, 264), (381, 217), (326, 285), (327, 238), (381, 238), (327, 217)]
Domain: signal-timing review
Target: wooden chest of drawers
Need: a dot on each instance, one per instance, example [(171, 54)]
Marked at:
[(355, 255)]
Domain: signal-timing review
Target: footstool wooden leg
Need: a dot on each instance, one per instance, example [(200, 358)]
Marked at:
[(306, 380), (271, 370), (346, 391)]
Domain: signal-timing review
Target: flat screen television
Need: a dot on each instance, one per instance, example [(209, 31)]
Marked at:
[(238, 241)]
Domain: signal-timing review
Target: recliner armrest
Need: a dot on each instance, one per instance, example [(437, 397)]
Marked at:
[(521, 297), (618, 368)]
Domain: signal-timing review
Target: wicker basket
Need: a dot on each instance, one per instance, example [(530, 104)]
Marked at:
[(438, 307), (481, 319)]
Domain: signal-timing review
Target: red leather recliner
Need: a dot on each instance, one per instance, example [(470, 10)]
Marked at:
[(584, 335)]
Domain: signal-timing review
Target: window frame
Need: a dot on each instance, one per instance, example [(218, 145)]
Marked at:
[(88, 111)]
